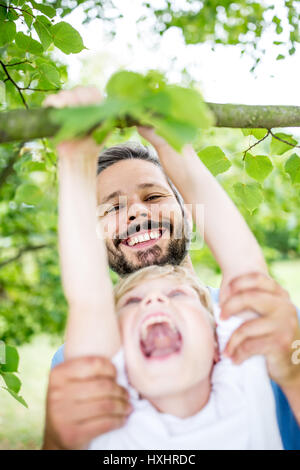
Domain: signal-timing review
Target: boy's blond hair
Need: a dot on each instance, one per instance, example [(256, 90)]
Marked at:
[(180, 273)]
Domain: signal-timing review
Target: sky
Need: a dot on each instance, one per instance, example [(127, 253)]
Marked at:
[(223, 75)]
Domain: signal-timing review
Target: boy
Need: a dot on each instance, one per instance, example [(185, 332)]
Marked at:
[(98, 332)]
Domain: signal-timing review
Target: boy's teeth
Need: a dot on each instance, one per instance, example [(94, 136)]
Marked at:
[(143, 238)]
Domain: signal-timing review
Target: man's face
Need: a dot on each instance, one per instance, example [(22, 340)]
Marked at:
[(141, 219)]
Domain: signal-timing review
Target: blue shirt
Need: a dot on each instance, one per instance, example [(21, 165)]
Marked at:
[(287, 423)]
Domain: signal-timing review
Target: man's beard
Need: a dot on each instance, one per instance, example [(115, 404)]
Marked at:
[(176, 252)]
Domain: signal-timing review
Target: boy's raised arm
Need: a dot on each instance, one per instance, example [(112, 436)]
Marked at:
[(92, 327), (226, 232)]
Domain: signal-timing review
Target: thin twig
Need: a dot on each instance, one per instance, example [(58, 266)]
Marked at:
[(21, 252), (18, 63), (16, 8), (38, 89), (14, 83), (282, 140), (256, 143)]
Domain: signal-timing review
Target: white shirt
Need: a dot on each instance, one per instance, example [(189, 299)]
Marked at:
[(240, 413)]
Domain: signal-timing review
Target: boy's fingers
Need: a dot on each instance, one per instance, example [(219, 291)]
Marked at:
[(254, 328), (82, 368), (258, 281), (260, 302), (77, 96)]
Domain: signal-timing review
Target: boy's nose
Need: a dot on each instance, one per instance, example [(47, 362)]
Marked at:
[(153, 297)]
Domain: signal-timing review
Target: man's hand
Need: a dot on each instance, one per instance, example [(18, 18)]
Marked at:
[(272, 333), (79, 96), (83, 402)]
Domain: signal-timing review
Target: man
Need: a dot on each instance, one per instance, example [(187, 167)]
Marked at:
[(145, 223)]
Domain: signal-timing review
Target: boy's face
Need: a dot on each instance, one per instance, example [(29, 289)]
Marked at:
[(168, 339)]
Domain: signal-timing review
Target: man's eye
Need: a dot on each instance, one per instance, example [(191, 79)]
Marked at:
[(176, 292), (154, 196), (113, 209), (132, 300)]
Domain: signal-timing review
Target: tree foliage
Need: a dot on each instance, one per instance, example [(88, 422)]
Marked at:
[(259, 167)]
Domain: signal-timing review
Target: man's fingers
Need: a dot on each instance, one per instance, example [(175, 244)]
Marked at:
[(100, 425), (251, 347), (254, 328), (260, 302), (83, 368), (96, 388), (257, 281), (84, 411)]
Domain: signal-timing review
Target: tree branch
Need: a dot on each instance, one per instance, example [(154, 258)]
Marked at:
[(36, 123), (9, 167), (21, 252)]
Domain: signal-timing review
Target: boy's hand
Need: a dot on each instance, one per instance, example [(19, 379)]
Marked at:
[(272, 333), (79, 96), (84, 401)]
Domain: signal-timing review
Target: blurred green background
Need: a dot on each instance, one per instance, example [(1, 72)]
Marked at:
[(231, 51)]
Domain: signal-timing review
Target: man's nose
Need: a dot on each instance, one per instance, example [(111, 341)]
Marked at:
[(137, 210), (154, 297)]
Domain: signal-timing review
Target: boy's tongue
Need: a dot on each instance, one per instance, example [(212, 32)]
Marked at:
[(161, 340)]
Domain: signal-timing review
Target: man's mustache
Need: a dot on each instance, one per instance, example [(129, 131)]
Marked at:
[(146, 225)]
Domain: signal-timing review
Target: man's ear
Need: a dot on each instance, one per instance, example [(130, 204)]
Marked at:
[(188, 216)]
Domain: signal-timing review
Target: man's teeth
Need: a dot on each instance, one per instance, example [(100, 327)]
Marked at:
[(143, 238), (154, 320)]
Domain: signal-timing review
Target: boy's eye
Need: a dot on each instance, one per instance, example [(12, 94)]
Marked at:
[(176, 292), (132, 300)]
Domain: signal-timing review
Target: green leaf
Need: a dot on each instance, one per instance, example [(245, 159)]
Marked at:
[(43, 31), (249, 194), (12, 381), (45, 9), (278, 147), (7, 32), (176, 133), (104, 130), (11, 360), (126, 84), (257, 133), (66, 38), (292, 167), (17, 397), (28, 44), (188, 106), (29, 194), (28, 15), (2, 92), (214, 159), (49, 75), (258, 166)]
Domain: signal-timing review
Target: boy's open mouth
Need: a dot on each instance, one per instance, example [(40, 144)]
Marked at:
[(159, 337), (144, 239)]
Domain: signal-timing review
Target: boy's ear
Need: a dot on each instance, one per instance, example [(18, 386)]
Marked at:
[(217, 355)]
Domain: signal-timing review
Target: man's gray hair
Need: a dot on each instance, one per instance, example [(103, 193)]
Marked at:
[(133, 150)]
